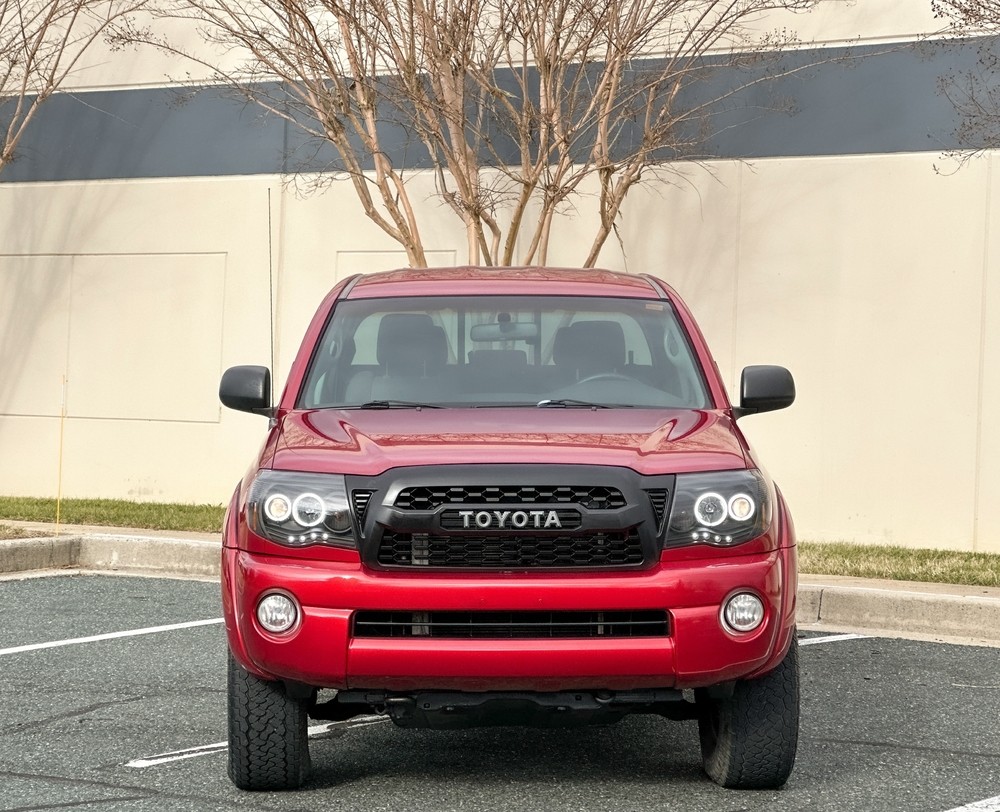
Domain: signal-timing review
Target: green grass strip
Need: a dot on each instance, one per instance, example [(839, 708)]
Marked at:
[(114, 513), (900, 563)]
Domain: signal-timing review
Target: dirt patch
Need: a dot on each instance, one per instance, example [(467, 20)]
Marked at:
[(10, 531)]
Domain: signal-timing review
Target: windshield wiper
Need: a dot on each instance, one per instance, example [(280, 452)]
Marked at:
[(397, 404), (563, 403)]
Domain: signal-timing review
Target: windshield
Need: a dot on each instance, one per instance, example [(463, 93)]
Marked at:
[(482, 351)]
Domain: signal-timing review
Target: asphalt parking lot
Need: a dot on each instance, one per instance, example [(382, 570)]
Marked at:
[(95, 720)]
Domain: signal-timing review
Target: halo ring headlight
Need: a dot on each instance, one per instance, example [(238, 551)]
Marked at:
[(308, 509), (742, 507), (299, 509), (277, 507), (710, 510)]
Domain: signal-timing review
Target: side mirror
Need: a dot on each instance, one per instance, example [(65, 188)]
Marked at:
[(247, 389), (764, 389)]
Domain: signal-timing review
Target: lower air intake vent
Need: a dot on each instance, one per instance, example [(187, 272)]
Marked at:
[(511, 625)]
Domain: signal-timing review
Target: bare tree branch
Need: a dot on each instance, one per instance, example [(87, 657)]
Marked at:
[(42, 43), (974, 93), (512, 105)]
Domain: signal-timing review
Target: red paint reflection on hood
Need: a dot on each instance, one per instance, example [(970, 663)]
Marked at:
[(370, 442)]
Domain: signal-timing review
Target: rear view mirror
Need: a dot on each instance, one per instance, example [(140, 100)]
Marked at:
[(247, 389), (505, 331), (764, 389)]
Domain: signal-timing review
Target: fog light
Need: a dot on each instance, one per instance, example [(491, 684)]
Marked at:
[(743, 612), (277, 613)]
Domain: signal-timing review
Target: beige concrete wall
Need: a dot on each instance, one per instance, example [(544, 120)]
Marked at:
[(120, 304), (882, 322), (833, 21), (875, 279), (830, 21)]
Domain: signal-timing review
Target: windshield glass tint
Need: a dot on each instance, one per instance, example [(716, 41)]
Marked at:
[(502, 351)]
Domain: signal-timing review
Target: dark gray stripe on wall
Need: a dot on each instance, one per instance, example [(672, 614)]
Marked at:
[(147, 133), (864, 99)]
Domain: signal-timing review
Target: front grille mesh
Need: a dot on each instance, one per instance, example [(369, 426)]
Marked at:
[(512, 625), (593, 497), (601, 549)]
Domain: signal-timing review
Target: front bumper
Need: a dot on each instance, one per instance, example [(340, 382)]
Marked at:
[(322, 652)]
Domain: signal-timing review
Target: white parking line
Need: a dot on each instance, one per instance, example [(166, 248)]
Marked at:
[(218, 747), (110, 636), (831, 638), (989, 805), (177, 755)]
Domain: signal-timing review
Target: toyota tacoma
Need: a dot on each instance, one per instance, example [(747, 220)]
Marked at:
[(511, 496)]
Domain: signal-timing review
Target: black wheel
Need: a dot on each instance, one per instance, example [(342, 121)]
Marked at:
[(268, 733), (748, 740)]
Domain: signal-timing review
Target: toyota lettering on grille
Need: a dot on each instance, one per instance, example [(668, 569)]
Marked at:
[(506, 519)]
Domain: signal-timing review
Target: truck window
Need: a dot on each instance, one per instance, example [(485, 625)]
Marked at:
[(482, 351)]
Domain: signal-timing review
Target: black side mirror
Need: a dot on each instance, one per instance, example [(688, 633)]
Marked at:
[(247, 389), (764, 389)]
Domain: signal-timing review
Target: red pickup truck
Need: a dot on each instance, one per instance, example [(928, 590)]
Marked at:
[(509, 496)]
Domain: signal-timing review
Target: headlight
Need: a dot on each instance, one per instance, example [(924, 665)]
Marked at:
[(722, 508), (298, 509)]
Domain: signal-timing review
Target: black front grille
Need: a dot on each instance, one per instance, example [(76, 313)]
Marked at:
[(509, 625), (593, 497), (474, 551)]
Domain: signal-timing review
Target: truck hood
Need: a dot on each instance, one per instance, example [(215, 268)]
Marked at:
[(369, 442)]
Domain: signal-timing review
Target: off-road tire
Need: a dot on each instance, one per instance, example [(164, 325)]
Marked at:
[(748, 740), (268, 733)]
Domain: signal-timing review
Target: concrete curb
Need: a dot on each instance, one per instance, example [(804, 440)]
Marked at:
[(23, 555), (969, 614), (185, 558)]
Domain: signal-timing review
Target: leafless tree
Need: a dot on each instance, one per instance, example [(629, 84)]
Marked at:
[(42, 42), (520, 108), (974, 93), (981, 15)]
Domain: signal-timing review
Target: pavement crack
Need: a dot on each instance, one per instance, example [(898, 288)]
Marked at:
[(142, 793), (914, 748), (34, 724), (79, 804)]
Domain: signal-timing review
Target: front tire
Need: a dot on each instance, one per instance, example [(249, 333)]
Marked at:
[(268, 733), (748, 740)]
